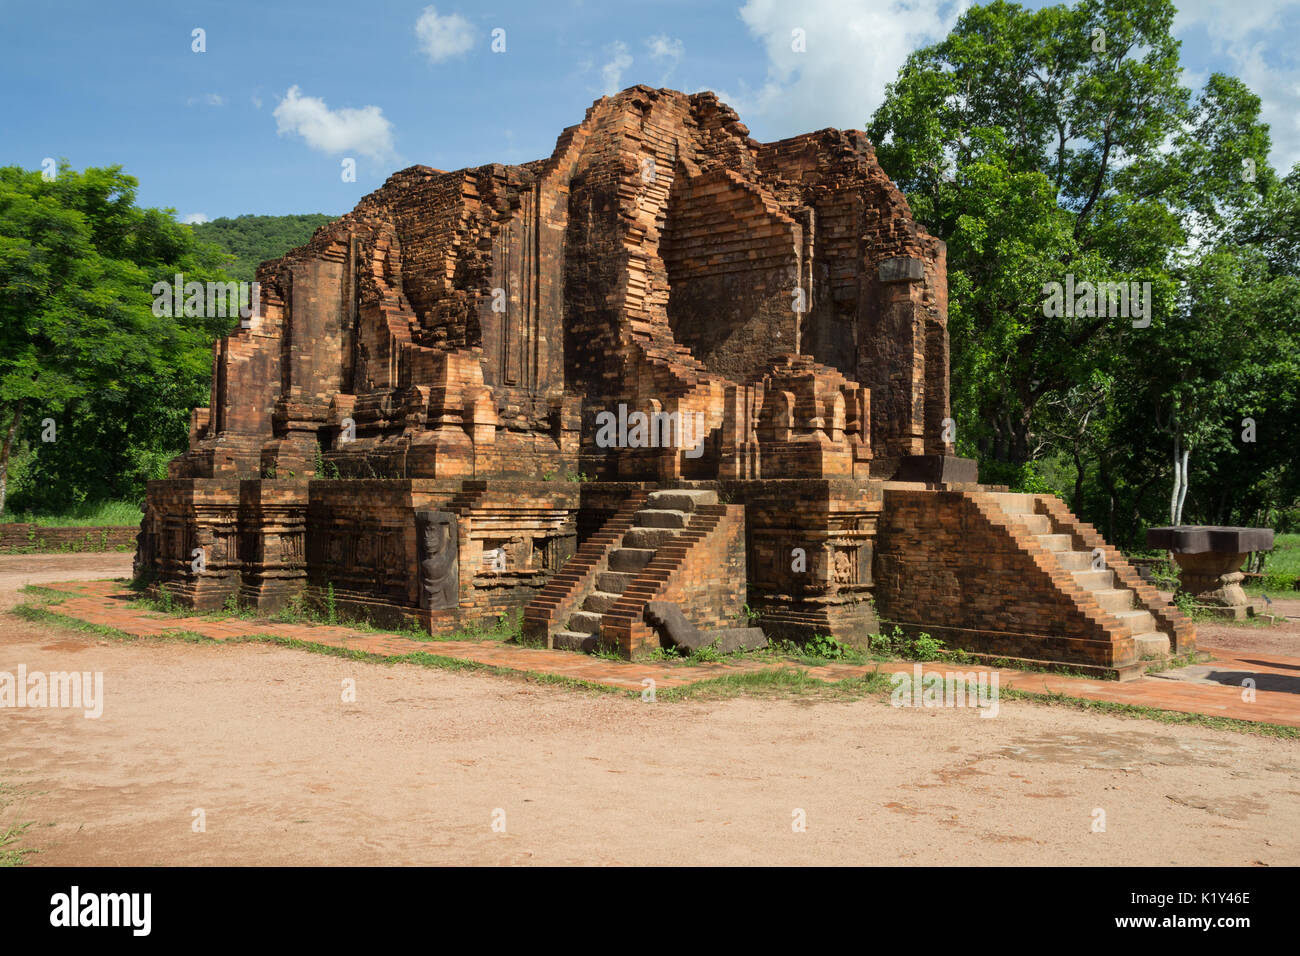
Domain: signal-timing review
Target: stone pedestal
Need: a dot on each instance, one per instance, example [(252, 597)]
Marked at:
[(1209, 563), (1214, 578)]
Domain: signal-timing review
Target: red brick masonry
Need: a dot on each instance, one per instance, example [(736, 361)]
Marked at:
[(40, 538)]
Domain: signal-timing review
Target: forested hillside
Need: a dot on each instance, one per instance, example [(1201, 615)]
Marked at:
[(254, 239)]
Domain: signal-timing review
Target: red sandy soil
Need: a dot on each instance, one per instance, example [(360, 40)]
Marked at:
[(1280, 637), (412, 772)]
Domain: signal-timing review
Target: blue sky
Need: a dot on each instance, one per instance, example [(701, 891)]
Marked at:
[(261, 121)]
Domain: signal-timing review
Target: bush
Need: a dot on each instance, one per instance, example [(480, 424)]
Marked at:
[(923, 647)]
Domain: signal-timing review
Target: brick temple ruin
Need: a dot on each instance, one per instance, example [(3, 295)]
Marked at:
[(667, 363)]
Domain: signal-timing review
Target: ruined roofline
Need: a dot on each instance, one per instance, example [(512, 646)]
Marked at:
[(782, 170)]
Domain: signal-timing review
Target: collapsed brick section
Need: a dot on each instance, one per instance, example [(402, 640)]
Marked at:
[(473, 323)]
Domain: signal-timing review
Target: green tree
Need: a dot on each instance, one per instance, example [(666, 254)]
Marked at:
[(80, 346)]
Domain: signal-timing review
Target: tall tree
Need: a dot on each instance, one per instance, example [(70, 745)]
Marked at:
[(88, 372)]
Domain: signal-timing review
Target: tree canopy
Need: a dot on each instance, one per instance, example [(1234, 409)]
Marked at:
[(252, 240), (93, 385)]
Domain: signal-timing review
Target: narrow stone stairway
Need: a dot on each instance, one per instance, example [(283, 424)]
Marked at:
[(1118, 602), (665, 515)]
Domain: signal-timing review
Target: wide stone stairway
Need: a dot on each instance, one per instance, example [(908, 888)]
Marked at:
[(664, 516)]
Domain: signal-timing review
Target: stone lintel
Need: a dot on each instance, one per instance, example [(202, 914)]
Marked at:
[(901, 270), (1197, 539)]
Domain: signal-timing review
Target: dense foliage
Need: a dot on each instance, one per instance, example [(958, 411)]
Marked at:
[(95, 388), (1057, 146)]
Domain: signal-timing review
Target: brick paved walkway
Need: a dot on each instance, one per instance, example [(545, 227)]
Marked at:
[(1214, 690)]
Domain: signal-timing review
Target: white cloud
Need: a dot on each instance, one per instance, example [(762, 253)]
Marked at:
[(442, 38), (666, 51), (611, 74), (1251, 36), (194, 218), (851, 50), (209, 99), (363, 131)]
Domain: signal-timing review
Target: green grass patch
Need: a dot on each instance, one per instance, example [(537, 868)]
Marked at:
[(118, 514), (425, 659), (46, 595), (1255, 728), (777, 682), (1284, 559), (11, 855)]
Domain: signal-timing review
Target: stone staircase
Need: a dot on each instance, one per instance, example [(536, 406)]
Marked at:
[(1091, 574), (664, 516), (1018, 578)]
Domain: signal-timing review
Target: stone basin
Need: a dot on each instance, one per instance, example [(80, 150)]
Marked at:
[(1209, 563)]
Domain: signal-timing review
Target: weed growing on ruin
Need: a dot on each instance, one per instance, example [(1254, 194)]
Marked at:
[(708, 655), (817, 650), (507, 627), (232, 608), (923, 647), (823, 645), (331, 611), (291, 613)]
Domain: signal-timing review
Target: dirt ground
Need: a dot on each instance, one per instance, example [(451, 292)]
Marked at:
[(421, 765), (1282, 636)]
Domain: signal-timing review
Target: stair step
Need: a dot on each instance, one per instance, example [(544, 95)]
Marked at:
[(584, 622), (1151, 644), (630, 559), (1138, 621), (614, 582), (678, 499), (1074, 560), (1114, 599), (573, 641), (600, 601), (1013, 503), (1055, 542), (654, 518), (1094, 580), (649, 537), (1037, 524)]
